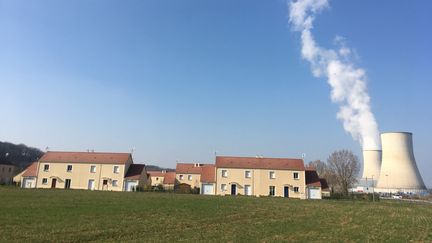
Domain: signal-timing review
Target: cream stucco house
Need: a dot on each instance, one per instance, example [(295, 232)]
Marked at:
[(189, 173), (89, 170), (165, 178), (257, 176)]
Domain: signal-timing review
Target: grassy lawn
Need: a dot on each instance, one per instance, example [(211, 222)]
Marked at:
[(65, 216)]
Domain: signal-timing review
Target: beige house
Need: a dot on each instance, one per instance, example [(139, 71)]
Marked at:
[(86, 170), (164, 178), (7, 172), (27, 177), (189, 173), (256, 176)]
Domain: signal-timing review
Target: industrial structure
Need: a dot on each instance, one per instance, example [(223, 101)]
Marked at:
[(371, 165), (399, 172)]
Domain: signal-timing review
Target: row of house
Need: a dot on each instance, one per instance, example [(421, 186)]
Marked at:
[(250, 176)]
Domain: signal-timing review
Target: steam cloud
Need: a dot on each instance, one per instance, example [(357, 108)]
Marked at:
[(348, 82)]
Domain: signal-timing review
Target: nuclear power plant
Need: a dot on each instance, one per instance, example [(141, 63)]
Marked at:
[(394, 168), (371, 164)]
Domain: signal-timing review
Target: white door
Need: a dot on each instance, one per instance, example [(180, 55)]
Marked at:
[(248, 190), (314, 193), (131, 186), (91, 184), (207, 189), (28, 183)]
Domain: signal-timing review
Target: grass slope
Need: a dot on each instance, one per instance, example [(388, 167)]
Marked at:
[(66, 216)]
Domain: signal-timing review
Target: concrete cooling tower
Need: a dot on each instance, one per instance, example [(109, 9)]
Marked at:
[(371, 164), (399, 172)]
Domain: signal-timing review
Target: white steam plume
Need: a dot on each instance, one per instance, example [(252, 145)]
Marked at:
[(348, 82)]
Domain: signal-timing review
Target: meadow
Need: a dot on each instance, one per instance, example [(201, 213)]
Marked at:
[(76, 216)]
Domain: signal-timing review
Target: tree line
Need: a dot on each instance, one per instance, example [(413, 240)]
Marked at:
[(19, 154)]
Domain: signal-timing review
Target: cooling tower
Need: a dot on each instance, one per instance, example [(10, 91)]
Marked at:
[(399, 172), (371, 164)]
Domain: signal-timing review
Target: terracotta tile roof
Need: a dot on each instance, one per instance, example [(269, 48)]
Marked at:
[(31, 170), (208, 173), (259, 163), (86, 157), (134, 172), (169, 178), (312, 178), (189, 168)]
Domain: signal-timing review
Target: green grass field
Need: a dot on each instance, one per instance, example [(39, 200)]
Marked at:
[(70, 216)]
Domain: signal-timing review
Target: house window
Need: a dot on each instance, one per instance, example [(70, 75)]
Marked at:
[(189, 177), (114, 183), (224, 173), (248, 174), (296, 189), (116, 169), (105, 182), (69, 168), (10, 169), (271, 191), (181, 177), (296, 175), (272, 175), (46, 167), (157, 178), (93, 169), (44, 181), (223, 187)]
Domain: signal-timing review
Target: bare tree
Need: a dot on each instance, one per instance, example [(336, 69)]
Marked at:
[(344, 166), (320, 167)]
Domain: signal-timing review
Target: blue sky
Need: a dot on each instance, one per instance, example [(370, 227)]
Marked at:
[(178, 80)]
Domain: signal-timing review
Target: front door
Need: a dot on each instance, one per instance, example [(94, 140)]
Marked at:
[(286, 191), (67, 183), (53, 183), (91, 184), (233, 189)]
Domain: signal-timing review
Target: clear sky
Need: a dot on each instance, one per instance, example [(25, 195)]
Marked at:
[(179, 80)]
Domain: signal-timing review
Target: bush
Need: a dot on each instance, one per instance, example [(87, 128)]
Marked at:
[(355, 196)]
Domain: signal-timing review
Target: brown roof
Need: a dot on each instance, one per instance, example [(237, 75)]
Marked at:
[(259, 163), (324, 185), (312, 178), (208, 173), (134, 172), (31, 170), (189, 168), (169, 178), (86, 157)]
